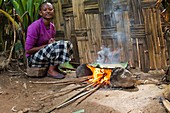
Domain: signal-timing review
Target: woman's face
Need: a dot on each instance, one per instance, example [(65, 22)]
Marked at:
[(47, 11)]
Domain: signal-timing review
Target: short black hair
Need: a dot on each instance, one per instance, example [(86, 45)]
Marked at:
[(42, 3)]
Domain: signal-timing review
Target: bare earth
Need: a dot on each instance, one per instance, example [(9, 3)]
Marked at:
[(19, 95)]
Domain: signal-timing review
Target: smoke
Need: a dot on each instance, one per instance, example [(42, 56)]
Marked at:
[(108, 56)]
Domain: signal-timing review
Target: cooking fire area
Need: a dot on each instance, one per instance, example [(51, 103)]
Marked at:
[(89, 78)]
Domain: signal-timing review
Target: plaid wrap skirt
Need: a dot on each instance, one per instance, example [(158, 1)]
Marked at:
[(52, 54)]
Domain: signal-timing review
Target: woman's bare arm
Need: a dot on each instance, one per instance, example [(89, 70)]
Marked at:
[(35, 49)]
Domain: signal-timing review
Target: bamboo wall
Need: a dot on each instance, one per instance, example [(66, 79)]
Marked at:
[(147, 35), (133, 25)]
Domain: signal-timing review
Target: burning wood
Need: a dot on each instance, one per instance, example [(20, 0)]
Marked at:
[(100, 75), (113, 77)]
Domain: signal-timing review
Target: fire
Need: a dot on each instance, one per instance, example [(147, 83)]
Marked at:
[(100, 75)]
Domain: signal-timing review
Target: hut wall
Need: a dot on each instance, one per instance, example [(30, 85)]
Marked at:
[(64, 22), (146, 31), (115, 28), (58, 18), (133, 26), (87, 29)]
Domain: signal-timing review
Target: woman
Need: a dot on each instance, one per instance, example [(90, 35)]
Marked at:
[(41, 48)]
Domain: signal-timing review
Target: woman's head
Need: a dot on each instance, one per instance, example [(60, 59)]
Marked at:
[(46, 10)]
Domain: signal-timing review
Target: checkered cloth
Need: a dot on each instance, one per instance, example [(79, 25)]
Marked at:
[(52, 54)]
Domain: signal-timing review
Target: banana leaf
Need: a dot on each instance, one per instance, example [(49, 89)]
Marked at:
[(30, 8), (36, 8), (21, 7), (66, 65), (24, 4), (36, 5), (16, 6), (27, 10)]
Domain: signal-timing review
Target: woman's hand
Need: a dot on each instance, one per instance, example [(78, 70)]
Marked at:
[(51, 41)]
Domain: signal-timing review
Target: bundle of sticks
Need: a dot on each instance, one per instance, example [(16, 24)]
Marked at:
[(86, 90)]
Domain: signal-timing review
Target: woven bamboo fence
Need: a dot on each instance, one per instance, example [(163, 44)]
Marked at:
[(146, 32), (134, 26)]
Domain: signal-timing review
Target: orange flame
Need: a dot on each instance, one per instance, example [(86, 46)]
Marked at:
[(100, 75)]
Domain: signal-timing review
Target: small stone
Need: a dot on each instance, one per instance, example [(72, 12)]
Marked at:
[(20, 112), (26, 110)]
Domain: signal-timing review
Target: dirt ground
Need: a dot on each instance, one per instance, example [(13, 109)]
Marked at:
[(18, 94)]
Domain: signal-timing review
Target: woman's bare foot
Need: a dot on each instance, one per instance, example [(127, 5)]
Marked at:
[(53, 73)]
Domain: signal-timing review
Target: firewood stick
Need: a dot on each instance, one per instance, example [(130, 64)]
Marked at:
[(75, 98), (166, 104), (58, 84), (71, 98), (84, 89), (67, 102), (66, 92), (74, 88), (55, 95), (63, 81), (94, 90), (61, 93), (68, 83)]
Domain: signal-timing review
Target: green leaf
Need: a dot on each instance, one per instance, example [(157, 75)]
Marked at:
[(18, 46), (16, 6), (66, 65), (79, 111), (24, 4), (30, 8), (21, 7), (36, 5)]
